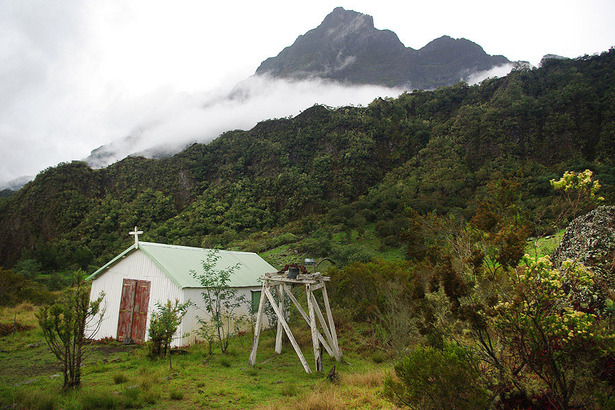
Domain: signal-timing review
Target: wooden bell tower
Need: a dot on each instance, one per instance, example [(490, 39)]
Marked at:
[(281, 283)]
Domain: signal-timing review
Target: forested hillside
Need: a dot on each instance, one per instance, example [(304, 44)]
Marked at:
[(336, 169)]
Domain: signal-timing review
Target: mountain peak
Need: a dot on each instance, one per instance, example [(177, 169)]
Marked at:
[(346, 47), (340, 17)]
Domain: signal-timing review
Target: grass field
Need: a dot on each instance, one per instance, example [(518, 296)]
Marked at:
[(544, 246), (118, 376)]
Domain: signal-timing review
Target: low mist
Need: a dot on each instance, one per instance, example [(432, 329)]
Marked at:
[(256, 99), (165, 121)]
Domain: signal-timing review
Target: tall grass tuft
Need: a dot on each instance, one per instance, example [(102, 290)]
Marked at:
[(224, 361), (37, 400), (95, 399), (120, 378), (176, 395), (374, 378), (289, 389)]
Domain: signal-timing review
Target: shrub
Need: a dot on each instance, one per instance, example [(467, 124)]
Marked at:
[(430, 378), (15, 288), (360, 286), (163, 325), (378, 357), (64, 326), (119, 378), (284, 239), (224, 361), (549, 324)]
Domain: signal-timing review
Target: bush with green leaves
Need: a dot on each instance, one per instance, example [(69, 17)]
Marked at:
[(551, 329), (164, 324), (64, 325), (431, 378), (14, 289), (363, 287), (220, 300)]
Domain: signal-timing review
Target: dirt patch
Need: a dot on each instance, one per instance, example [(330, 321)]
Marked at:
[(108, 348), (10, 328)]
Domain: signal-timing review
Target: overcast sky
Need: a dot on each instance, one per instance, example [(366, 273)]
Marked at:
[(75, 75)]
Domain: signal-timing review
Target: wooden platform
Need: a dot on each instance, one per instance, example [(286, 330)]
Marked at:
[(281, 283)]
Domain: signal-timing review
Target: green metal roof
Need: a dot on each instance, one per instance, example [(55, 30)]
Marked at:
[(178, 261)]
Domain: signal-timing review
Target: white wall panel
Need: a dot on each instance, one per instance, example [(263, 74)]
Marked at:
[(138, 266), (134, 266)]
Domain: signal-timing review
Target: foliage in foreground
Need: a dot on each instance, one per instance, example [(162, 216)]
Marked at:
[(540, 336), (220, 301), (430, 378), (163, 325), (65, 324), (550, 326)]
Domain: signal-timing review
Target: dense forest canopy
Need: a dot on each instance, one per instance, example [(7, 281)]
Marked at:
[(427, 151)]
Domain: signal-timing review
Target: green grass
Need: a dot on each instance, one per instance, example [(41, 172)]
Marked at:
[(118, 376), (544, 246), (366, 241)]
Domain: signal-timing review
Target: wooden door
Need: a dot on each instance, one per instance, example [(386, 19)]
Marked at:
[(133, 310)]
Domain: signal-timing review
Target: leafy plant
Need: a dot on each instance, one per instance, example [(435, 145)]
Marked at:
[(549, 325), (64, 325), (430, 378), (220, 301), (163, 325), (578, 193)]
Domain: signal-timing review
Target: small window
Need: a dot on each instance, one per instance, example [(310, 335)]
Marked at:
[(256, 298)]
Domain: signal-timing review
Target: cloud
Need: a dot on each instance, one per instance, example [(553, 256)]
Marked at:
[(187, 119), (498, 71), (78, 75)]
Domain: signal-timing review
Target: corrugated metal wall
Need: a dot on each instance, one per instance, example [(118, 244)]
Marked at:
[(139, 267), (197, 309), (135, 266)]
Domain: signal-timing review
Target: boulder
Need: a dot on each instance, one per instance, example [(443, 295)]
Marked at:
[(590, 239)]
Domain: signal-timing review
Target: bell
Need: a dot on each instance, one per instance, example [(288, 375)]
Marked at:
[(293, 271)]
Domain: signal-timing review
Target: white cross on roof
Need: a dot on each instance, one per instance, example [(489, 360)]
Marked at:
[(136, 233)]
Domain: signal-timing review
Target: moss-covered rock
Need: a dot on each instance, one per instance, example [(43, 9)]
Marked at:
[(590, 239)]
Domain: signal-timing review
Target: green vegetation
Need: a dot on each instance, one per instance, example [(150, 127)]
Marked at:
[(220, 302), (303, 181), (425, 204), (163, 325), (438, 379), (68, 326), (123, 376)]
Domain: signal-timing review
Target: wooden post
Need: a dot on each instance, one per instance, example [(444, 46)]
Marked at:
[(325, 329), (280, 331), (307, 320), (312, 283), (315, 341), (334, 341), (259, 325)]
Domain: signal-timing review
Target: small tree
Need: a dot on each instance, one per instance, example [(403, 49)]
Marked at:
[(64, 326), (579, 193), (164, 324), (220, 299), (549, 325), (430, 378)]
